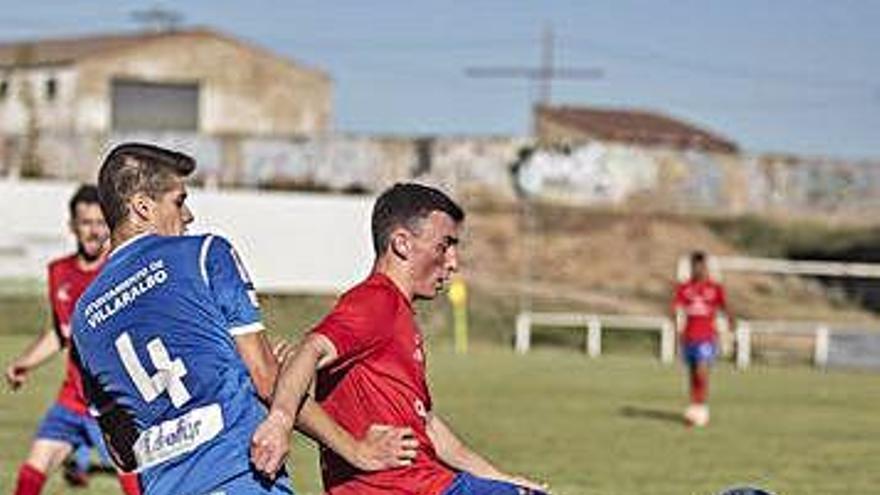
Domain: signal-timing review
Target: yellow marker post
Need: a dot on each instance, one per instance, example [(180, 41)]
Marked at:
[(458, 298)]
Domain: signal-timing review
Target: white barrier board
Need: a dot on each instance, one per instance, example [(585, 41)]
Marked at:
[(291, 242)]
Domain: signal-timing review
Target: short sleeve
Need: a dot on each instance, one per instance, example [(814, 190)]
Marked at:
[(361, 322), (54, 307), (231, 287), (678, 298)]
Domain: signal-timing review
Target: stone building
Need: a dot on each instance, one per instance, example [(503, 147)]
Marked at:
[(194, 81)]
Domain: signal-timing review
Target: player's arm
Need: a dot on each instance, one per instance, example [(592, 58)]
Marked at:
[(271, 441), (728, 312), (452, 451), (674, 317), (383, 447), (260, 362), (232, 289), (675, 310), (230, 285), (38, 352)]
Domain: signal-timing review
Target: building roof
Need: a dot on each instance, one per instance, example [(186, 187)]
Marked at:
[(69, 50), (632, 126), (59, 51)]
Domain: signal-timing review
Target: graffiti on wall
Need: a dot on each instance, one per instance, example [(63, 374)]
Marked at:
[(597, 173)]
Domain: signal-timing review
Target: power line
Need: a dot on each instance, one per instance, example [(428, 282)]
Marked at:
[(543, 75), (638, 54), (723, 70)]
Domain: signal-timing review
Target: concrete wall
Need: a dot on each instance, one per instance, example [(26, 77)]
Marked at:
[(291, 243), (596, 174), (613, 174)]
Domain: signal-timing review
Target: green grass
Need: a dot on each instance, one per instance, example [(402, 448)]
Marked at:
[(765, 237), (605, 426)]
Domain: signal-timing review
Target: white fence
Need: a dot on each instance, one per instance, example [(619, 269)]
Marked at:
[(822, 335), (780, 266), (291, 242), (592, 325)]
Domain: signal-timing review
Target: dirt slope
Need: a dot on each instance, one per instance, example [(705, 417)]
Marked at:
[(621, 263)]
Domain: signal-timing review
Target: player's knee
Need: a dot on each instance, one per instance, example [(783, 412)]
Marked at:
[(46, 455)]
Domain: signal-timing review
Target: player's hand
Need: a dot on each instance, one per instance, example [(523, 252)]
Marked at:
[(282, 350), (271, 443), (385, 447), (16, 375)]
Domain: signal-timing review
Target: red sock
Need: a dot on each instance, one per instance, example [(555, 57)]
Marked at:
[(30, 480), (129, 483), (699, 387)]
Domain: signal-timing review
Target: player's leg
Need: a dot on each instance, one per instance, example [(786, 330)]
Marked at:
[(82, 457), (54, 440), (76, 466), (129, 483), (468, 484), (690, 357), (44, 457), (700, 382), (699, 358)]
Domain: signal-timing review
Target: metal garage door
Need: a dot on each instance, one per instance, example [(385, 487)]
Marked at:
[(147, 106)]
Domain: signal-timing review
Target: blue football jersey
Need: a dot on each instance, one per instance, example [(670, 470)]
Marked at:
[(154, 337)]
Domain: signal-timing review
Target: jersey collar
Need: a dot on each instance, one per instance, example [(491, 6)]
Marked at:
[(128, 242)]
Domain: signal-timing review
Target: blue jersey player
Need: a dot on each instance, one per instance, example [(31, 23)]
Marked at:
[(175, 362)]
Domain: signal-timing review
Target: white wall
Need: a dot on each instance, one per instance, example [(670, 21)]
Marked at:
[(291, 243), (55, 115)]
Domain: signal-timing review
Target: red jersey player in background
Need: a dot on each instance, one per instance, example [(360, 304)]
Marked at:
[(699, 299), (370, 363), (67, 425)]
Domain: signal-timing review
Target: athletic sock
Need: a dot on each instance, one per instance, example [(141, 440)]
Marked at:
[(699, 388), (30, 480), (129, 483)]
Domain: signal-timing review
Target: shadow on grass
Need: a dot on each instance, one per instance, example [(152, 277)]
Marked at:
[(654, 414)]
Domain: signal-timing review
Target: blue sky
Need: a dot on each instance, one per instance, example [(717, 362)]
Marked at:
[(783, 75)]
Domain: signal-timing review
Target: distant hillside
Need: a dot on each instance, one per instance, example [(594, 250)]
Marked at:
[(625, 263)]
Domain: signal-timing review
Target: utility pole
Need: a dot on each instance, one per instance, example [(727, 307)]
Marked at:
[(543, 75)]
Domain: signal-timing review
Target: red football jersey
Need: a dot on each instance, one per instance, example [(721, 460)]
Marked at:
[(67, 281), (700, 300), (378, 378)]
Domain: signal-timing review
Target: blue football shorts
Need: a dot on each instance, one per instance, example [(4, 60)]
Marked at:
[(253, 483), (699, 352), (468, 484), (78, 430)]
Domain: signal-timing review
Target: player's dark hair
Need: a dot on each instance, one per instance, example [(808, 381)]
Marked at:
[(406, 205), (698, 257), (85, 194), (137, 167)]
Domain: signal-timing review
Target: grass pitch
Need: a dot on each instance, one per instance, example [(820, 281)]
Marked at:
[(604, 426)]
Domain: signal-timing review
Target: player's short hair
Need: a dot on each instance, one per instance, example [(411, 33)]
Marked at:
[(137, 167), (406, 205), (698, 257), (85, 194)]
